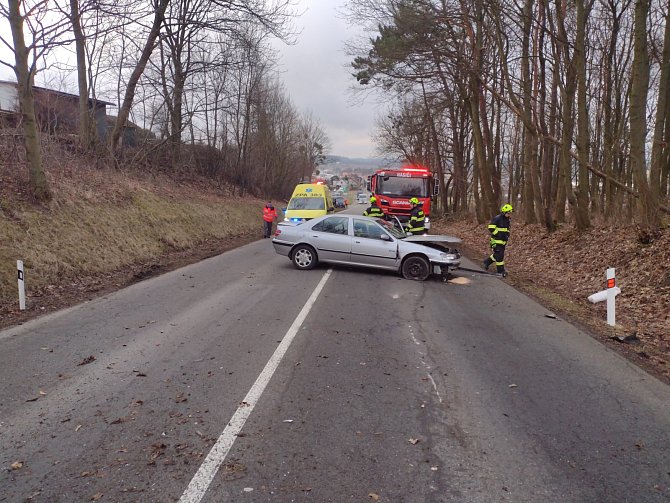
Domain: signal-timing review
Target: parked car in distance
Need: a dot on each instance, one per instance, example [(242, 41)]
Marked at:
[(362, 198), (339, 202), (365, 241)]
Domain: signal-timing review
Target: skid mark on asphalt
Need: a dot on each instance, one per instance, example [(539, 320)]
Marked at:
[(425, 365)]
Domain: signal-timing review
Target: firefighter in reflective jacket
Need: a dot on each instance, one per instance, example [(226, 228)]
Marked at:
[(499, 229), (417, 219), (269, 215), (373, 210)]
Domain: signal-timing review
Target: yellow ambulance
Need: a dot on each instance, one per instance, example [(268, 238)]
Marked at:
[(309, 200)]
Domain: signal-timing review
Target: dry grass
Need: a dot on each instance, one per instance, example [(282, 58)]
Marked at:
[(109, 223)]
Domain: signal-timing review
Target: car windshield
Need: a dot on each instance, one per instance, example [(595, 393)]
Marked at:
[(307, 203), (402, 186), (392, 229)]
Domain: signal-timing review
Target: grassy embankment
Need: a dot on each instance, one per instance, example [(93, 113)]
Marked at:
[(105, 230)]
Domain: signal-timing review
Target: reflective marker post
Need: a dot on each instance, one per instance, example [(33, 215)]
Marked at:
[(22, 288), (609, 295)]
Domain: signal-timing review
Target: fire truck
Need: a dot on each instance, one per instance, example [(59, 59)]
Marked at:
[(393, 189)]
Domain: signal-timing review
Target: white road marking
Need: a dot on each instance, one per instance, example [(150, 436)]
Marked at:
[(203, 478)]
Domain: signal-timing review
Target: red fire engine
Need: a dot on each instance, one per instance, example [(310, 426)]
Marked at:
[(393, 189)]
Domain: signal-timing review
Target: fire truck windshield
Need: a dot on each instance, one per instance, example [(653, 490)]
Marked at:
[(402, 186)]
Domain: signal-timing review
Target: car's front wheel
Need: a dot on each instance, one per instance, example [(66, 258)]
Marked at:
[(416, 268), (304, 257)]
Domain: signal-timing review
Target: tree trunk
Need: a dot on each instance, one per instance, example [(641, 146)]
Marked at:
[(39, 185), (86, 133), (647, 215), (582, 218), (124, 111), (660, 144), (528, 157)]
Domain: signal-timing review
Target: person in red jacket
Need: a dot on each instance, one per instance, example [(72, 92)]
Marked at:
[(269, 215)]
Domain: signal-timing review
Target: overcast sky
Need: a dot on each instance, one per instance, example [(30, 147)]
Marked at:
[(317, 75)]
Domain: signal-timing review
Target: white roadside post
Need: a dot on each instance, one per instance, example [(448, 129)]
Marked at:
[(611, 294), (608, 295), (22, 288)]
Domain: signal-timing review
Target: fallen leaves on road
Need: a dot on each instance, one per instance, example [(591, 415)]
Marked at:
[(96, 497), (181, 397), (157, 451), (87, 360), (373, 496), (413, 441), (16, 465)]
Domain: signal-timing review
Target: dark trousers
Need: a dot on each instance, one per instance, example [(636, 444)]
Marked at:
[(498, 257), (267, 229)]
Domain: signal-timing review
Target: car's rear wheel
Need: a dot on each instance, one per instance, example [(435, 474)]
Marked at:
[(416, 268), (304, 257)]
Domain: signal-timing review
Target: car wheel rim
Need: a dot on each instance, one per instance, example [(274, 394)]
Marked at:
[(417, 269), (303, 258)]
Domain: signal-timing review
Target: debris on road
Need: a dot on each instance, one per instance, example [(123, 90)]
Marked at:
[(86, 361), (626, 339)]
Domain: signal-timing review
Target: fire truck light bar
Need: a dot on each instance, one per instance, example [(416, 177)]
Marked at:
[(422, 170)]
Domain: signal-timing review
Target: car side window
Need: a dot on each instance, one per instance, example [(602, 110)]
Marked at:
[(367, 229), (333, 225)]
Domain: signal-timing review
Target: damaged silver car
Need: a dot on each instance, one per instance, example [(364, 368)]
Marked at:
[(368, 242)]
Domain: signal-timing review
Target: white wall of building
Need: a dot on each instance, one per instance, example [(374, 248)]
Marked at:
[(9, 97)]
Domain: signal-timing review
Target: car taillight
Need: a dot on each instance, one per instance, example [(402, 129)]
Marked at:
[(277, 232)]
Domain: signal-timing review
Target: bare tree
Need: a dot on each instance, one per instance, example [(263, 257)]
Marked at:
[(46, 34)]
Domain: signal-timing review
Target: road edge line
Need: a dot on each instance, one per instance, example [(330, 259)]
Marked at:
[(210, 466)]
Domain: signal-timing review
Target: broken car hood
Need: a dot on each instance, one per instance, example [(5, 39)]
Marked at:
[(434, 238)]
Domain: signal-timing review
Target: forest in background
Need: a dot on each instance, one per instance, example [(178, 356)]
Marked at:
[(561, 107)]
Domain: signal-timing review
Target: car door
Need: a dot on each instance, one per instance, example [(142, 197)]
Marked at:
[(369, 248), (330, 237)]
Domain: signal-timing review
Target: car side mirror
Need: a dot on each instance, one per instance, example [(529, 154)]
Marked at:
[(385, 237), (331, 209)]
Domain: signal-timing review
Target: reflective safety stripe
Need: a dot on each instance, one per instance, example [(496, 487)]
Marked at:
[(373, 211), (498, 242), (499, 229)]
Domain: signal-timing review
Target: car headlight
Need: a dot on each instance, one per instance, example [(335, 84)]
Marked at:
[(448, 256)]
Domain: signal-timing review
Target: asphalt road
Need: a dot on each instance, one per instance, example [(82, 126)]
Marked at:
[(180, 388)]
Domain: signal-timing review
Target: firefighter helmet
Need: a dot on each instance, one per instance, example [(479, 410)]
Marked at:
[(373, 199), (506, 208), (414, 200)]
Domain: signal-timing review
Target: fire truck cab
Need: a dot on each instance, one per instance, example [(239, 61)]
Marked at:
[(393, 189)]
